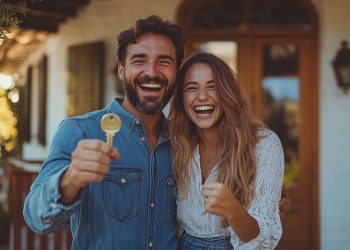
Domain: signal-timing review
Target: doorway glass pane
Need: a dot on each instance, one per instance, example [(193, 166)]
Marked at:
[(225, 50), (281, 98)]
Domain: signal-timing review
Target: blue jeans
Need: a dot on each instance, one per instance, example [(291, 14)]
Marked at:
[(188, 242)]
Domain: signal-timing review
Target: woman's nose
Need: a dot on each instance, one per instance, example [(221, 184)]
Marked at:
[(202, 94)]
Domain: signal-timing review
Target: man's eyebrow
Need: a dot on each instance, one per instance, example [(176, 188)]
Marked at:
[(140, 55)]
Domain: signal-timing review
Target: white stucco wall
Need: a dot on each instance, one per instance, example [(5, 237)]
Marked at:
[(99, 21), (334, 129)]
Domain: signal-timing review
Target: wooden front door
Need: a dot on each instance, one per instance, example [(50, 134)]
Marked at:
[(272, 46), (285, 97), (278, 76)]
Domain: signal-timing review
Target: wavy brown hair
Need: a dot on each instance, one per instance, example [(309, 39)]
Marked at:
[(238, 131), (152, 24)]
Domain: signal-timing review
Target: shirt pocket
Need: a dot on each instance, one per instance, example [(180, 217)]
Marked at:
[(122, 193), (170, 198)]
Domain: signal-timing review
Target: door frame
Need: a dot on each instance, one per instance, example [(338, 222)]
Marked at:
[(308, 142), (245, 38)]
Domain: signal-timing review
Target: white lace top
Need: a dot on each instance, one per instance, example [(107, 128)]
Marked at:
[(264, 206)]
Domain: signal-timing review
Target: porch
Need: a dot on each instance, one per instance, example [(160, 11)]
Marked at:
[(21, 174)]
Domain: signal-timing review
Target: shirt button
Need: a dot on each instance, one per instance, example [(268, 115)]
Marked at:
[(123, 180), (142, 138), (152, 205), (137, 122), (150, 244), (47, 220)]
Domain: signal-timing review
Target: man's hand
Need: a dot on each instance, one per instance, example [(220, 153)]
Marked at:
[(285, 202), (90, 163)]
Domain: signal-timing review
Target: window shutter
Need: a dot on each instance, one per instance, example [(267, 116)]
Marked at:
[(85, 81)]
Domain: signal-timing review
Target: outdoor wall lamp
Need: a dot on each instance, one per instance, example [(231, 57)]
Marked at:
[(341, 66)]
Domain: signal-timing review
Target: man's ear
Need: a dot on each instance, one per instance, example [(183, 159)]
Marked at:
[(120, 71)]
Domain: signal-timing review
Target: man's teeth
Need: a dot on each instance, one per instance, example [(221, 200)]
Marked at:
[(151, 85), (202, 108)]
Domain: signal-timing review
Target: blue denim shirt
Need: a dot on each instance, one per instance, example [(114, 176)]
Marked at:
[(134, 206)]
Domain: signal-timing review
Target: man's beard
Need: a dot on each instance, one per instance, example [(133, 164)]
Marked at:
[(149, 106)]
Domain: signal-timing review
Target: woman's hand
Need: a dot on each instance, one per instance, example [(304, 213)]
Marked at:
[(219, 200)]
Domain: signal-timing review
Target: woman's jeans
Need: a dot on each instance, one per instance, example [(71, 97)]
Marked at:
[(188, 242)]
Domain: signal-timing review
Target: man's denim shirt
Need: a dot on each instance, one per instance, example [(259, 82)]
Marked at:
[(134, 206)]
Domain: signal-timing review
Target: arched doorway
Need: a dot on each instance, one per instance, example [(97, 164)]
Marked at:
[(273, 46)]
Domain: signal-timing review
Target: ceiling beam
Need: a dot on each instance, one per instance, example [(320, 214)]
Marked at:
[(40, 13), (44, 26), (58, 7)]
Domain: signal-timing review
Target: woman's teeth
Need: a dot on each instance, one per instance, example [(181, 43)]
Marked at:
[(204, 109)]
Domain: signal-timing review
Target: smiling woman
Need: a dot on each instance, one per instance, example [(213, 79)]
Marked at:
[(201, 100), (228, 166)]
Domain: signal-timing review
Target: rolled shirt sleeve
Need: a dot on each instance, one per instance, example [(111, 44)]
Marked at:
[(42, 210), (268, 185)]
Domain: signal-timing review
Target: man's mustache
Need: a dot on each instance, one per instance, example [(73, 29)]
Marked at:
[(146, 79)]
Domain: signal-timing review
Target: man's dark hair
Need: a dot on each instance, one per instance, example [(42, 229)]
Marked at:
[(153, 24)]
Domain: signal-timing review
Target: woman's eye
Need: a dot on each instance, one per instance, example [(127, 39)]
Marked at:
[(190, 88)]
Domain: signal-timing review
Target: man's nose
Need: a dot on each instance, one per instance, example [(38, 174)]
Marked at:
[(151, 69)]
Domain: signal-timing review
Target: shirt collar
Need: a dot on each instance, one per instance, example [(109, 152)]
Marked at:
[(197, 160), (131, 121)]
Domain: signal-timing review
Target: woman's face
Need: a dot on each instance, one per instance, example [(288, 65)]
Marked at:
[(201, 100)]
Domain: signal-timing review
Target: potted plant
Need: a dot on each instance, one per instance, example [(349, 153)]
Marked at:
[(10, 14)]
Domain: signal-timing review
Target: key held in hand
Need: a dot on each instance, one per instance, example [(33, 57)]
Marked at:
[(110, 124)]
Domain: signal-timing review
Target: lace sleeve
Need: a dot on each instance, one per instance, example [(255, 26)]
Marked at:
[(268, 186)]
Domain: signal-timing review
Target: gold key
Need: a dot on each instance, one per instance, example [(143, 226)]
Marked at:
[(110, 124)]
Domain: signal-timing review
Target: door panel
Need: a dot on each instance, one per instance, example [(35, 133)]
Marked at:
[(283, 85), (279, 94)]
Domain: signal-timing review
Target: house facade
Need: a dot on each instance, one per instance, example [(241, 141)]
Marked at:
[(80, 59)]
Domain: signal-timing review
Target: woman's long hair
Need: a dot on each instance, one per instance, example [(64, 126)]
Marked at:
[(238, 131)]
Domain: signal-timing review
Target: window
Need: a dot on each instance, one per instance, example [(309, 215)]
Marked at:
[(85, 80)]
